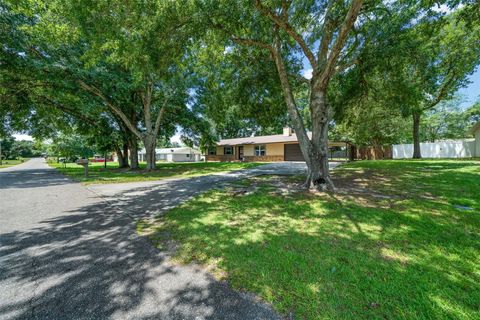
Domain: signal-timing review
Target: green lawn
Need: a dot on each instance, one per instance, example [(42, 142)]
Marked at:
[(98, 174), (399, 240), (9, 163)]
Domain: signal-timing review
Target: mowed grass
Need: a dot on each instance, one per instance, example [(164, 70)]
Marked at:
[(399, 240), (9, 163), (113, 174)]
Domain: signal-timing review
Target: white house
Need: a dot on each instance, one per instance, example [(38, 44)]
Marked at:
[(185, 154)]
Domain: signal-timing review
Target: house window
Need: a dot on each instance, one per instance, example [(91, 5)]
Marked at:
[(260, 150), (212, 151), (227, 150)]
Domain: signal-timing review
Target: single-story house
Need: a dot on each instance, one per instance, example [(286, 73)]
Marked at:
[(281, 147), (475, 131), (185, 154)]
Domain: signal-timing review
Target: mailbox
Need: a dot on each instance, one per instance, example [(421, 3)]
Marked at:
[(84, 163)]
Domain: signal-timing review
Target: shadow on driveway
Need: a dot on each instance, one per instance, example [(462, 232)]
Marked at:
[(90, 263)]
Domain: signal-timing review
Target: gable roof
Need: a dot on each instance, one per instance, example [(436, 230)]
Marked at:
[(475, 128), (277, 138)]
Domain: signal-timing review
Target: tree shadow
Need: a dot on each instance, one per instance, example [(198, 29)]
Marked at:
[(31, 178), (334, 259), (90, 263)]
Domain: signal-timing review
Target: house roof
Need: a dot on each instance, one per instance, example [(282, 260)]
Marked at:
[(277, 138), (475, 128), (184, 150)]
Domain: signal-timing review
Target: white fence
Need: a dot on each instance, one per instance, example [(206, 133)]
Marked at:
[(464, 148)]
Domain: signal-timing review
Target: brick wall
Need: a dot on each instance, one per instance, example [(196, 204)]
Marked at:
[(222, 158), (263, 158)]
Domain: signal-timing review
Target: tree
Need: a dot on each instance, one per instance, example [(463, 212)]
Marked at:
[(437, 65), (449, 121), (284, 28), (7, 143), (150, 47), (72, 147)]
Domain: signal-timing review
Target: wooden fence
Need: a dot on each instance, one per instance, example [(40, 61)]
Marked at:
[(373, 153)]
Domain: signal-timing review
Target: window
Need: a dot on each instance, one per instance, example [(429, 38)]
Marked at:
[(227, 150), (187, 155), (260, 150), (212, 151)]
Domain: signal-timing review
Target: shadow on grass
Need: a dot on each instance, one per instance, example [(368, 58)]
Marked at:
[(319, 257)]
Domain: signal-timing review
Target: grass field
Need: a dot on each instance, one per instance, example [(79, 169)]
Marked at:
[(9, 163), (398, 240), (112, 174)]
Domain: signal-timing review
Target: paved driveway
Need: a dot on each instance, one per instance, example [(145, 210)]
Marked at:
[(66, 254), (147, 199)]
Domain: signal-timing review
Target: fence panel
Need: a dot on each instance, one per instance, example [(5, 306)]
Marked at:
[(464, 148)]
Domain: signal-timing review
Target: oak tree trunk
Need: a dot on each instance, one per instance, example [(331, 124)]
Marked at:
[(133, 146), (122, 156), (150, 144), (318, 176), (416, 136), (315, 150)]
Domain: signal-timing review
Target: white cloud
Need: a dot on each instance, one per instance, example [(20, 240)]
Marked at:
[(176, 138), (307, 73)]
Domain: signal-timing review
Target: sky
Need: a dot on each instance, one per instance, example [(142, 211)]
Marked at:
[(471, 93)]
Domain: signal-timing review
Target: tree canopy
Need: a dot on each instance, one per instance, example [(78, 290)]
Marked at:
[(129, 74)]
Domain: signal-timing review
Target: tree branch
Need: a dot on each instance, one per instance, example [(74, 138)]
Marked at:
[(160, 117), (350, 19), (252, 42), (282, 22), (95, 91), (327, 28)]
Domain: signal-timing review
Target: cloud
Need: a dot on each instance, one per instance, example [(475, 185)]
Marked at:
[(307, 73)]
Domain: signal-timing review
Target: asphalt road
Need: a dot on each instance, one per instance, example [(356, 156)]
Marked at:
[(66, 253)]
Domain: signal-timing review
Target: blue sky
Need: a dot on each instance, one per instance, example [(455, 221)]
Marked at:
[(471, 93)]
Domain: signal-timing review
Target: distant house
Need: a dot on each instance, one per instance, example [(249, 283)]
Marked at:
[(281, 147), (185, 154)]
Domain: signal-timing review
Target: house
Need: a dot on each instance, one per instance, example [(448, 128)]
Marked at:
[(475, 131), (185, 154), (281, 147)]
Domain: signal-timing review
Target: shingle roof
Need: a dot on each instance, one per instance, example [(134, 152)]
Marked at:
[(277, 138)]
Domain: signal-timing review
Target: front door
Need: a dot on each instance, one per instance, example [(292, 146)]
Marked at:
[(240, 152)]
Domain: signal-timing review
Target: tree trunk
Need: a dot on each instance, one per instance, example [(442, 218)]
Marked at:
[(122, 156), (318, 176), (416, 136), (133, 146), (314, 151), (150, 144)]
